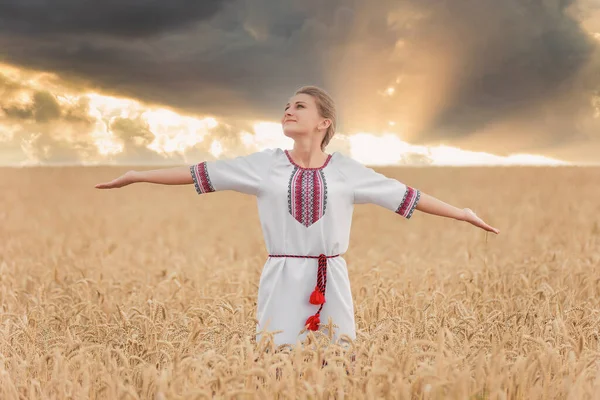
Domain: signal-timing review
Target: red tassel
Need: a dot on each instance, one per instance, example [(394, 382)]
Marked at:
[(317, 297), (312, 323)]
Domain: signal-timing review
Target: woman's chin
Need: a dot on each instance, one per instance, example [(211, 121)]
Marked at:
[(292, 133)]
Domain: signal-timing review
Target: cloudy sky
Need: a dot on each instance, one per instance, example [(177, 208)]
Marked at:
[(415, 82)]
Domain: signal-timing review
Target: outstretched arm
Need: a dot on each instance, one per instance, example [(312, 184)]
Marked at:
[(164, 176), (431, 205)]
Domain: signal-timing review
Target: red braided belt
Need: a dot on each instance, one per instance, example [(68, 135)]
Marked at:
[(318, 295)]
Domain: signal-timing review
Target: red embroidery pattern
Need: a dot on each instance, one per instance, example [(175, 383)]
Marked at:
[(201, 178), (307, 196), (409, 202), (307, 193)]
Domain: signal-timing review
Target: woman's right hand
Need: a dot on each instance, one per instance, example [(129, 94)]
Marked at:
[(472, 218), (124, 180)]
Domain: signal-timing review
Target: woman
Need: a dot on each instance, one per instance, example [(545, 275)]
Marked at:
[(305, 202)]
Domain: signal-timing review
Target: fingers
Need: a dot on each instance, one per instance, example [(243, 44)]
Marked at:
[(490, 229), (115, 183), (477, 221), (107, 185), (493, 230)]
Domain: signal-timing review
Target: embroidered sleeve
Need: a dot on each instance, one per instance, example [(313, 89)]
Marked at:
[(241, 174), (375, 188), (201, 178)]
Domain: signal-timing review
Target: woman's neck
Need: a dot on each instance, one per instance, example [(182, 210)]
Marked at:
[(307, 156)]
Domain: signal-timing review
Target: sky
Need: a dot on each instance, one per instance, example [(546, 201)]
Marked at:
[(462, 82)]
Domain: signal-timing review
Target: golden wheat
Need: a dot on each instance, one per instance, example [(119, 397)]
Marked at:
[(149, 292)]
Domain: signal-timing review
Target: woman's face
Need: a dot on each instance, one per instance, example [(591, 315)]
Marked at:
[(301, 116)]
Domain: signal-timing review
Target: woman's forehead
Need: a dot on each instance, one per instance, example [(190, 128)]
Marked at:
[(301, 97)]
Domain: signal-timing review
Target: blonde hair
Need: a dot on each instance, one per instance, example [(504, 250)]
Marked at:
[(326, 108)]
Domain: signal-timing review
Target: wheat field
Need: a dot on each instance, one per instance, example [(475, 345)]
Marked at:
[(149, 292)]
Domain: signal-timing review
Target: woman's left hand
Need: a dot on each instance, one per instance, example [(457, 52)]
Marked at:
[(126, 179), (473, 219)]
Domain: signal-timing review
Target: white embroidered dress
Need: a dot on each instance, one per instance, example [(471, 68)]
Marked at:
[(304, 212)]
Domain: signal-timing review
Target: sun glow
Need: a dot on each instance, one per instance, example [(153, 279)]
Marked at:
[(388, 92), (176, 133), (266, 135), (389, 149), (166, 132)]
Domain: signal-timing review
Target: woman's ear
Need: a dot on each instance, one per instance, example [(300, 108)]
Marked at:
[(325, 124)]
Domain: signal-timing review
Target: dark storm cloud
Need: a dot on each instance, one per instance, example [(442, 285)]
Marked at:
[(514, 55), (244, 62), (128, 18), (459, 68)]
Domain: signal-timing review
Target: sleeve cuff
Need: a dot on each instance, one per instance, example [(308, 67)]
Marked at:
[(201, 179), (409, 202)]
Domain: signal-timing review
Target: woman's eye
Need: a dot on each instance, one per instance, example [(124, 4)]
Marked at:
[(300, 106)]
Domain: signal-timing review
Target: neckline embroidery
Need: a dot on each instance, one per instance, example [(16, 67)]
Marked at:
[(307, 195), (307, 169)]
